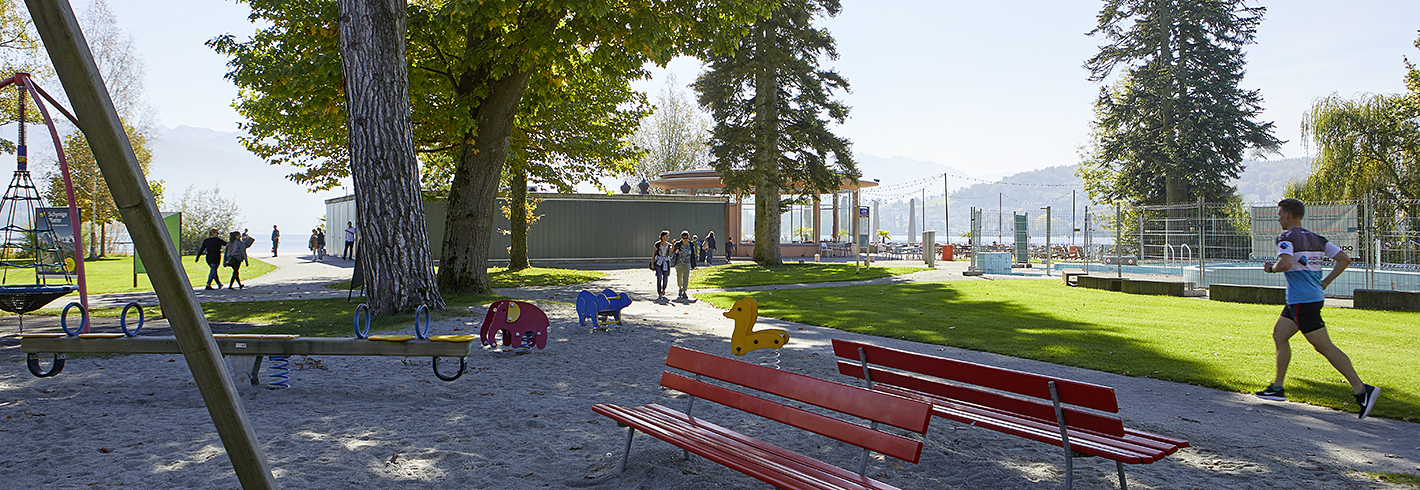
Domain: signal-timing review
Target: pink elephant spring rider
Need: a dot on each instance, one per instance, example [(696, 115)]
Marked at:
[(523, 325)]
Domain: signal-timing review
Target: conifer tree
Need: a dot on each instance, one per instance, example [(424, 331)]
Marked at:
[(1174, 125), (770, 100)]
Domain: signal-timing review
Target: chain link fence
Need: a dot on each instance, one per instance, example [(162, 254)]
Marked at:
[(1211, 243)]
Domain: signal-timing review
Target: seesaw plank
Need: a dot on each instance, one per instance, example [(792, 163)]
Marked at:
[(310, 346)]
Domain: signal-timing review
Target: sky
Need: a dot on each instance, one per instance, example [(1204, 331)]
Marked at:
[(985, 87)]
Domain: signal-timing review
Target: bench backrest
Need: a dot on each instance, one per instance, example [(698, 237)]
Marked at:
[(986, 384), (892, 410)]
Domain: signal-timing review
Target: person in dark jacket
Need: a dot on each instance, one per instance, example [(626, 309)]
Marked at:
[(212, 248), (710, 247), (235, 257)]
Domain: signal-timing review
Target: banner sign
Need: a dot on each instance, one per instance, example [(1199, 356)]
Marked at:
[(62, 239), (1339, 223)]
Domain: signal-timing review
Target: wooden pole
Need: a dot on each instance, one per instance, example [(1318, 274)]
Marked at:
[(54, 19)]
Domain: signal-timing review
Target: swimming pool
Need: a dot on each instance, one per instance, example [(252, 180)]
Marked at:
[(1251, 274)]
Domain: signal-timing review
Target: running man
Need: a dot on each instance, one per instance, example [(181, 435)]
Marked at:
[(1299, 256)]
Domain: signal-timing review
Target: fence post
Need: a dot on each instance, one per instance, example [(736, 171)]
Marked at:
[(1202, 245), (1118, 236)]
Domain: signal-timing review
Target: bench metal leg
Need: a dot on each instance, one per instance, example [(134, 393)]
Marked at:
[(1122, 484), (626, 451)]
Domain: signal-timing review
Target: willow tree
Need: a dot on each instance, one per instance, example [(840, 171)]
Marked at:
[(770, 100), (1365, 146), (399, 275), (1174, 125)]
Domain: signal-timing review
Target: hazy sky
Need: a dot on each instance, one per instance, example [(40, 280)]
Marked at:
[(981, 86)]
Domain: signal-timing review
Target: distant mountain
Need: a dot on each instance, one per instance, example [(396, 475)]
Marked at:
[(207, 159), (892, 170), (1264, 181)]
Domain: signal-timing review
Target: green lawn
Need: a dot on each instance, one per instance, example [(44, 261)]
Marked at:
[(531, 277), (114, 274), (751, 274), (1219, 345)]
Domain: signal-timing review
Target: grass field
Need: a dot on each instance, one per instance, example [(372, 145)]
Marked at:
[(1225, 346), (535, 276), (751, 274), (114, 274)]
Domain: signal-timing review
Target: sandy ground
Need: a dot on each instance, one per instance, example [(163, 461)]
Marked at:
[(524, 421)]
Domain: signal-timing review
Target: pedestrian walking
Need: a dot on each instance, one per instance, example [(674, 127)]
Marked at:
[(695, 252), (729, 248), (275, 239), (710, 247), (235, 257), (320, 241), (684, 251), (314, 244), (1300, 254), (349, 241), (661, 263), (212, 249)]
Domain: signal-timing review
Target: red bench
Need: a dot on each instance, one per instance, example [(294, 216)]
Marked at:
[(767, 462), (1047, 409)]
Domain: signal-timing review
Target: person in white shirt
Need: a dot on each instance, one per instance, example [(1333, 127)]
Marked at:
[(349, 241)]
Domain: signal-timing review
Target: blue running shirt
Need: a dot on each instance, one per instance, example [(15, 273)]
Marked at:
[(1307, 250)]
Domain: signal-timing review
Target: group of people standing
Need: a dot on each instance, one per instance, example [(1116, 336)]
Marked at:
[(684, 255), (231, 252), (317, 242)]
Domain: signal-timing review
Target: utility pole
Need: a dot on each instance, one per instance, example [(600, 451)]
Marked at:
[(1000, 224), (946, 209), (1048, 254), (1073, 229)]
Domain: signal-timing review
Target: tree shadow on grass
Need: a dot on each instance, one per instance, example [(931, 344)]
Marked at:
[(938, 313)]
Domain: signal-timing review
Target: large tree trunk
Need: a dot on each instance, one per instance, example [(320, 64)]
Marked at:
[(518, 219), (473, 196), (399, 275), (766, 192)]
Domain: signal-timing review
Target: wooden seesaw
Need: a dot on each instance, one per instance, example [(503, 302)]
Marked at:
[(257, 345)]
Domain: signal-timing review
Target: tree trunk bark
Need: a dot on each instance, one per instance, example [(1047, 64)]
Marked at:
[(518, 219), (766, 192), (473, 196), (399, 274)]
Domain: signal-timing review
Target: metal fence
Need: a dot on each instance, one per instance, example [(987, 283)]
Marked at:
[(1212, 243)]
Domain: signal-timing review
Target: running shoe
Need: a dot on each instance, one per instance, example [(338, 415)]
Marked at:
[(1367, 399), (1276, 394)]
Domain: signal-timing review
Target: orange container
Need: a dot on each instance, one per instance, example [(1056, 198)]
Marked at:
[(947, 252)]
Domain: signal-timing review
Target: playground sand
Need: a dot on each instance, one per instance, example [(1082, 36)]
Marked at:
[(524, 421)]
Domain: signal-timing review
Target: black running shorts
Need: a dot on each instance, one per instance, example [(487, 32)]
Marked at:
[(1307, 316)]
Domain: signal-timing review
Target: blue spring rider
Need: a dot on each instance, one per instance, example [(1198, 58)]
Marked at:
[(597, 307)]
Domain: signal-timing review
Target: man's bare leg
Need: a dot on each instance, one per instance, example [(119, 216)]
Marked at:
[(1322, 342)]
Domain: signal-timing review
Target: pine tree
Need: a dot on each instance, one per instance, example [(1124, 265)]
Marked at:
[(1174, 125), (770, 100)]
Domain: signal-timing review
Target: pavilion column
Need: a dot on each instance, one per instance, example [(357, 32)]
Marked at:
[(818, 220)]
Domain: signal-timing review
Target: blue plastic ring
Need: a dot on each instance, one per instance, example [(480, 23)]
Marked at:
[(123, 319), (361, 333), (422, 334), (64, 319)]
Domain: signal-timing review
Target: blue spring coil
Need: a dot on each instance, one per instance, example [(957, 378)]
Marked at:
[(280, 373)]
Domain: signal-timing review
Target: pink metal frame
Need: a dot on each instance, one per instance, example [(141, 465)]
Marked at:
[(35, 94)]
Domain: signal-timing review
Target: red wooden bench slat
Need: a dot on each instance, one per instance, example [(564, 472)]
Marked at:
[(1173, 443), (839, 476), (1024, 407), (768, 463), (882, 442), (852, 400), (1086, 395), (1129, 448)]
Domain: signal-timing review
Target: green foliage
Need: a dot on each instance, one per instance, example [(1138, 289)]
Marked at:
[(746, 275), (1367, 146), (1225, 346), (91, 192), (204, 210), (1174, 126), (784, 52)]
